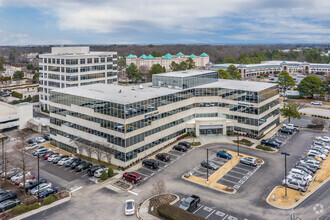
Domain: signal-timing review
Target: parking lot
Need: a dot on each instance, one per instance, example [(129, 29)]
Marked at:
[(147, 172), (283, 137)]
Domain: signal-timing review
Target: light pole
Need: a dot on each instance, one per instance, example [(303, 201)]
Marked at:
[(2, 137), (237, 144), (207, 166), (38, 179), (286, 183)]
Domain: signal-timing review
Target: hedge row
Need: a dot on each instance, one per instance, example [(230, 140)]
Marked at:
[(171, 212), (265, 148), (320, 116), (26, 208)]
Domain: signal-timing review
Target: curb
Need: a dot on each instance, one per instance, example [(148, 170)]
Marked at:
[(42, 208), (138, 209), (300, 201)]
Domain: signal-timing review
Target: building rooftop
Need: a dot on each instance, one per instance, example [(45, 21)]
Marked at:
[(185, 73), (6, 109), (130, 94), (74, 51)]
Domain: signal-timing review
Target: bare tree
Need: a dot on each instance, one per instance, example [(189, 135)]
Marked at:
[(158, 187), (80, 146), (318, 121), (109, 153), (99, 153), (89, 150)]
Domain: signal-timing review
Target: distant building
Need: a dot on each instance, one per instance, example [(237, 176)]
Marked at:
[(165, 61), (292, 67), (74, 66), (15, 116), (10, 70)]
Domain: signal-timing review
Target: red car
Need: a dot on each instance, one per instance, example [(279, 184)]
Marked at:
[(50, 154), (27, 177), (132, 177)]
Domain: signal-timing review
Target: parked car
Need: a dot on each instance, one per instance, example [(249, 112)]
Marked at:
[(315, 154), (27, 177), (63, 161), (291, 127), (163, 157), (40, 140), (209, 165), (153, 164), (46, 192), (180, 148), (76, 163), (12, 172), (190, 204), (295, 184), (31, 146), (69, 162), (98, 172), (320, 149), (129, 207), (9, 194), (9, 204), (52, 157), (311, 163), (47, 137), (305, 169), (249, 161), (184, 143), (224, 154), (132, 177), (322, 144), (270, 143), (83, 166), (306, 166), (42, 154), (92, 169), (324, 139), (58, 158), (277, 141), (317, 103), (300, 178), (32, 141), (39, 150), (33, 183), (301, 172), (41, 187), (19, 176), (286, 131)]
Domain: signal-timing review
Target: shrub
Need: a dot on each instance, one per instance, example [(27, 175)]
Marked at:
[(265, 148), (175, 213), (19, 209), (50, 199), (33, 206), (195, 143), (110, 172), (318, 127), (16, 94), (104, 175)]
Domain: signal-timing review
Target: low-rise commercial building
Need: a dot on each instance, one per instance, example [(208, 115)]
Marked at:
[(137, 120), (15, 116)]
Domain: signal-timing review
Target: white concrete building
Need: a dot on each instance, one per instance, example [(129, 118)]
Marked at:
[(15, 116), (138, 120), (165, 61), (292, 67), (74, 66)]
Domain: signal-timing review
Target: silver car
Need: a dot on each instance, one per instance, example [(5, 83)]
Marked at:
[(41, 186), (295, 184)]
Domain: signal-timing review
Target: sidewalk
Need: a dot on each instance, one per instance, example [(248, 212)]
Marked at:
[(143, 212)]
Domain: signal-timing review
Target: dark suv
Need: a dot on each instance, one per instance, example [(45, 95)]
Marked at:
[(153, 164), (185, 143), (163, 157), (92, 170)]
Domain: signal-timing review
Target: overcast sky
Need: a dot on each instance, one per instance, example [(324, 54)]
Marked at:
[(31, 22)]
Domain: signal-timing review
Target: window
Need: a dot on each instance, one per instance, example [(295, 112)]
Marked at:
[(45, 60), (82, 61), (89, 60), (57, 61), (96, 60), (62, 61), (109, 59), (102, 59)]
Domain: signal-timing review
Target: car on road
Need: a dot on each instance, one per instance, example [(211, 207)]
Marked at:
[(270, 143), (224, 154), (92, 169), (58, 158), (98, 172), (291, 127), (180, 148), (9, 194), (317, 103), (286, 131), (132, 177), (46, 192), (163, 157), (190, 204), (40, 140), (9, 204), (184, 143), (129, 207), (153, 164), (209, 165), (295, 184), (249, 161), (324, 139), (72, 160), (83, 166), (63, 161), (41, 187)]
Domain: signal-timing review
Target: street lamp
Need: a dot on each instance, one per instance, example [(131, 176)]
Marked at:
[(207, 167), (2, 137), (286, 184), (237, 144), (38, 179)]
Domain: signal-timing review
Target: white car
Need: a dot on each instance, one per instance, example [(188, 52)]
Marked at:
[(42, 186), (98, 172), (129, 207), (324, 139), (321, 144), (316, 154), (63, 161), (40, 139), (19, 176), (31, 146), (51, 158), (320, 149), (317, 103), (301, 177)]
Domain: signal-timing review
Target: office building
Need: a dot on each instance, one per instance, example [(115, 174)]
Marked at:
[(72, 67), (15, 116), (139, 119)]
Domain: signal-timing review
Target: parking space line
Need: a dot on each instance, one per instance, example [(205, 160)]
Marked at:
[(210, 214), (237, 172), (228, 181), (198, 209), (225, 217), (233, 176), (241, 168)]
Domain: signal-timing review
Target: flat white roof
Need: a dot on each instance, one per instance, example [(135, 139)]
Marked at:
[(186, 73), (6, 109), (130, 94)]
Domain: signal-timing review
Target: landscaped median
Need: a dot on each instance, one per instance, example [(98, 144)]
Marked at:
[(212, 183), (295, 197)]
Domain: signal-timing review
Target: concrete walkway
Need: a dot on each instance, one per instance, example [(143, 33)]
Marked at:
[(143, 212)]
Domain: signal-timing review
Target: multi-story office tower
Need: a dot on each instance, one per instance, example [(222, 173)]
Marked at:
[(72, 67), (138, 120)]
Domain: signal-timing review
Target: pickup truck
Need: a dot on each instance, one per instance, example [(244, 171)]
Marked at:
[(291, 127), (190, 204)]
